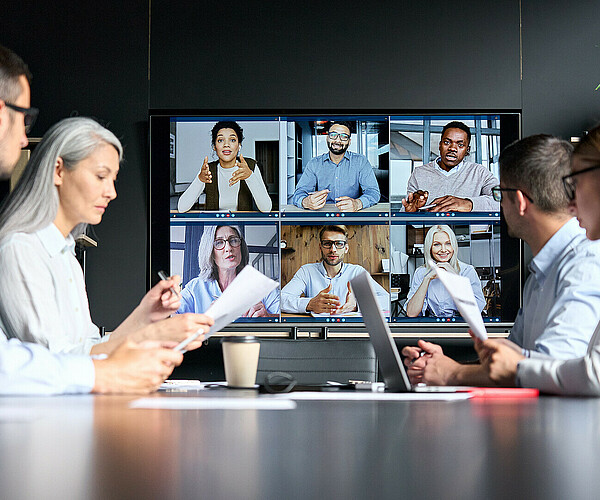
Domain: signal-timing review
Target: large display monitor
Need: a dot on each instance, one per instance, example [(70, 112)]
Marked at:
[(377, 192)]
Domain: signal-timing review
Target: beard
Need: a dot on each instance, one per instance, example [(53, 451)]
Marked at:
[(337, 150), (332, 260)]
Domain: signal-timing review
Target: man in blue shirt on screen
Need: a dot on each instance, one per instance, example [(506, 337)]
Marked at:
[(561, 297), (338, 176)]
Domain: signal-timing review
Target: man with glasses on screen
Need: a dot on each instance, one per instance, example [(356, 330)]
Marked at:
[(451, 183), (31, 368), (338, 176), (561, 297), (324, 287)]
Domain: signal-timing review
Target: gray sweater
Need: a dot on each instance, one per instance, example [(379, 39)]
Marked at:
[(467, 180)]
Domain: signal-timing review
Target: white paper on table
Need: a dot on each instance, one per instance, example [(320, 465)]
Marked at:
[(222, 403), (248, 288), (459, 288)]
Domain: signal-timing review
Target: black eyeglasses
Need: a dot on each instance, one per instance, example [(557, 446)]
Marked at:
[(31, 115), (339, 244), (334, 135), (234, 241), (497, 193), (570, 182)]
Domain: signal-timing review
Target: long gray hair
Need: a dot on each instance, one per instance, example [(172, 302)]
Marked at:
[(206, 262), (34, 202)]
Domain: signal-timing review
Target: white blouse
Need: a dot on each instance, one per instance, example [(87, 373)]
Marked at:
[(43, 298)]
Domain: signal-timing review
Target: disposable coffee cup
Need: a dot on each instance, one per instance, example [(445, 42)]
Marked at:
[(240, 356)]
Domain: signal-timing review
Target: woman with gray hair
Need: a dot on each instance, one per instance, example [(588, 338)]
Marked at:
[(67, 184), (427, 295), (222, 254)]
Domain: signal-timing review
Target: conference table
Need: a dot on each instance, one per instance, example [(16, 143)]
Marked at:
[(97, 447)]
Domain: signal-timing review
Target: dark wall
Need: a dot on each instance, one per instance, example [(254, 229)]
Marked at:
[(93, 59)]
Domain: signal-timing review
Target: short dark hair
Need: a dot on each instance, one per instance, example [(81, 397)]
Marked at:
[(348, 125), (335, 229), (537, 164), (11, 68), (227, 124), (459, 125)]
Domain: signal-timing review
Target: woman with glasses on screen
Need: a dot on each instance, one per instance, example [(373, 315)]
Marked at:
[(67, 184), (222, 179), (222, 254), (506, 365), (427, 295)]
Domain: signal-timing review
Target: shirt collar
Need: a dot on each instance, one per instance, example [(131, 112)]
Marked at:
[(346, 157), (452, 171), (54, 242), (548, 255), (324, 271)]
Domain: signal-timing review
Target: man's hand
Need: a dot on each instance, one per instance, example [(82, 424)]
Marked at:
[(315, 200), (324, 302), (500, 360), (243, 171), (205, 175), (135, 368), (432, 368), (350, 304), (347, 204), (414, 201), (177, 329), (451, 204)]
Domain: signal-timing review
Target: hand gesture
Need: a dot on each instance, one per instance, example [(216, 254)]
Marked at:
[(414, 201), (499, 360), (315, 200), (347, 204), (160, 302), (205, 175), (447, 267), (451, 204), (243, 171), (258, 310), (349, 305), (324, 302)]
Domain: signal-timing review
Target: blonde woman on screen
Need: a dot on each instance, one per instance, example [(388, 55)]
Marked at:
[(427, 295), (67, 184)]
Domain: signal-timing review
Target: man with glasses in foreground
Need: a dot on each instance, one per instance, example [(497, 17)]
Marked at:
[(324, 287), (579, 376), (561, 297), (27, 368), (338, 176)]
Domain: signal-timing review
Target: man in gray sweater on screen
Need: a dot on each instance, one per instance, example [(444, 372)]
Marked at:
[(451, 183)]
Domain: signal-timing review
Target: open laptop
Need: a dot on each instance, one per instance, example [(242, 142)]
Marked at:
[(390, 362)]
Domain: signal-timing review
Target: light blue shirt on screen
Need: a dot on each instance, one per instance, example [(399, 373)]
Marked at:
[(198, 295), (561, 297), (310, 279), (353, 176), (31, 369)]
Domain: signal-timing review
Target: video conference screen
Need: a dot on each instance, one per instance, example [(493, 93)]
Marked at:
[(312, 201)]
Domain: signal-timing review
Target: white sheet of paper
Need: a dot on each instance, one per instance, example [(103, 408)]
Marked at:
[(260, 403), (248, 288), (459, 288)]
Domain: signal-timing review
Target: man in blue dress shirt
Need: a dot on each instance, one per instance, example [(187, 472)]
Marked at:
[(324, 287), (561, 297), (338, 176)]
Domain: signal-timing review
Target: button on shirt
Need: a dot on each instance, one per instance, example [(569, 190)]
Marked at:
[(44, 299), (310, 279), (561, 298), (349, 177)]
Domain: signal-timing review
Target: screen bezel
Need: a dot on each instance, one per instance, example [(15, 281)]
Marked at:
[(158, 247)]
